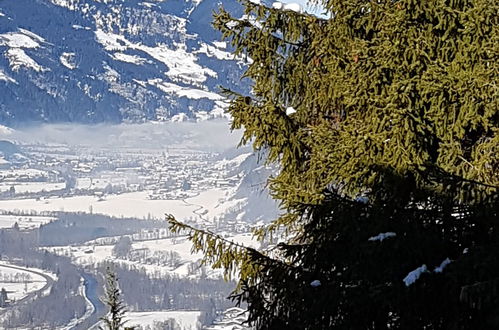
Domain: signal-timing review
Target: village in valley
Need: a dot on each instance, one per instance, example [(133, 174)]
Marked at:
[(96, 207)]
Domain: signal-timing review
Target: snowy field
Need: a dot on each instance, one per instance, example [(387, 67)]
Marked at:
[(31, 187), (29, 173), (187, 320), (25, 222), (89, 255), (135, 204), (20, 283), (208, 204), (213, 203), (232, 319)]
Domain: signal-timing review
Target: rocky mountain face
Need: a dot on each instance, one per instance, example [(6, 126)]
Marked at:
[(91, 61)]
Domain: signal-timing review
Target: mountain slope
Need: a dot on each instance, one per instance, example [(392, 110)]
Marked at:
[(111, 60)]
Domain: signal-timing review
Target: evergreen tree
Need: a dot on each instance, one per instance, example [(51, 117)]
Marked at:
[(3, 297), (384, 121), (117, 309)]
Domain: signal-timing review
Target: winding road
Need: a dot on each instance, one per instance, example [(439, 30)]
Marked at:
[(196, 211), (48, 283)]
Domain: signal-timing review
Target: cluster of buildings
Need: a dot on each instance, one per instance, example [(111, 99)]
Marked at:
[(69, 171)]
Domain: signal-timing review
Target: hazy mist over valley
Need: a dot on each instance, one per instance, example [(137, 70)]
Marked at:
[(76, 199), (111, 117)]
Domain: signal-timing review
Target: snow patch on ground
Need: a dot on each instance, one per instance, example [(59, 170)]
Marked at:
[(179, 118), (211, 51), (290, 111), (187, 320), (28, 173), (6, 77), (191, 93), (382, 236), (21, 282), (16, 42), (18, 59), (211, 201), (67, 59), (90, 254), (220, 44), (414, 275), (135, 204), (31, 187), (69, 4), (315, 283), (134, 59), (181, 64), (25, 222), (444, 264), (232, 319)]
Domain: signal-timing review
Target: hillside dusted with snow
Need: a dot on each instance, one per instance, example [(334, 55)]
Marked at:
[(112, 60)]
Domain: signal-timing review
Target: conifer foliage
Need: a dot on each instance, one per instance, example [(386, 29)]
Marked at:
[(384, 121), (114, 320)]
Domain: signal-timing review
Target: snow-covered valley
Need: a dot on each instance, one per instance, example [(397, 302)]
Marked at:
[(97, 206)]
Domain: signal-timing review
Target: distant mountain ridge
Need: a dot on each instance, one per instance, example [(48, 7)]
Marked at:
[(91, 61)]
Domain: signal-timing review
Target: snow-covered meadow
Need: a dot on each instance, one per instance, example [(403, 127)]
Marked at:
[(90, 255), (25, 222), (21, 281), (134, 204), (186, 320)]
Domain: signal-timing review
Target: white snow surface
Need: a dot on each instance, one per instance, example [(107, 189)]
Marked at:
[(134, 59), (277, 5), (187, 320), (296, 7), (181, 64), (189, 92), (414, 275), (18, 58), (220, 44), (27, 281), (25, 222), (29, 172), (90, 254), (181, 117), (67, 59), (212, 51), (290, 111), (5, 131), (19, 40), (16, 43), (440, 268), (292, 6), (232, 319), (315, 283), (31, 187), (382, 236), (6, 77), (134, 204)]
